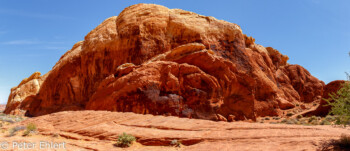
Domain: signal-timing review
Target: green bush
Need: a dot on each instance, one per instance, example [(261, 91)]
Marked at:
[(125, 140), (341, 105), (30, 128)]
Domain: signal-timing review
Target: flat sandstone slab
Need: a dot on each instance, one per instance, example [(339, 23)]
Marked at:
[(98, 130)]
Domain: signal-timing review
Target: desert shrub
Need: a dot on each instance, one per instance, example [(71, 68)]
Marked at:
[(325, 122), (11, 118), (276, 118), (340, 144), (30, 128), (299, 116), (14, 130), (340, 107), (291, 121), (125, 140), (314, 122), (284, 121), (312, 118), (330, 118), (290, 114), (175, 143), (7, 119), (344, 141), (26, 133), (55, 135)]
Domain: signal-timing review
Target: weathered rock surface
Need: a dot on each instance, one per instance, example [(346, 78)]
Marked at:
[(323, 109), (23, 93), (151, 59), (98, 130)]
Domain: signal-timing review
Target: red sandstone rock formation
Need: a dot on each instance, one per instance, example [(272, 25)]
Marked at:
[(323, 109), (155, 60), (24, 92)]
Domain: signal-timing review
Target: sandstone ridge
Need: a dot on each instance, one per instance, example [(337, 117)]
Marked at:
[(153, 60)]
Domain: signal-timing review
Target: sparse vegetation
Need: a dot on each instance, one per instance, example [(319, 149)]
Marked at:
[(299, 116), (125, 140), (290, 114), (175, 143), (325, 122), (276, 118), (30, 129), (344, 141), (10, 118), (6, 120), (312, 118), (55, 135), (300, 120), (13, 131), (341, 144), (341, 104), (292, 121)]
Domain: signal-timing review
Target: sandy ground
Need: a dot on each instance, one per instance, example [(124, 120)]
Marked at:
[(98, 130)]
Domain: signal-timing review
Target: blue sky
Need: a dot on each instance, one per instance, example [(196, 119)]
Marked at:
[(313, 33)]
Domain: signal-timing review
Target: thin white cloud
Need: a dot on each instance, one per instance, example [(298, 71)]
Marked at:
[(37, 44), (32, 14), (33, 42), (56, 42), (56, 48), (20, 42), (59, 37)]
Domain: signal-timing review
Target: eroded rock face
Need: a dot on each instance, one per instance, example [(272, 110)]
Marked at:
[(151, 59), (24, 92), (323, 109)]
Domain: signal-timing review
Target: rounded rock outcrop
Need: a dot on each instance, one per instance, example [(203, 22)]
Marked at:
[(153, 60)]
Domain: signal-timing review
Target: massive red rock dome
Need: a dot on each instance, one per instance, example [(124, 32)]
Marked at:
[(155, 60)]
